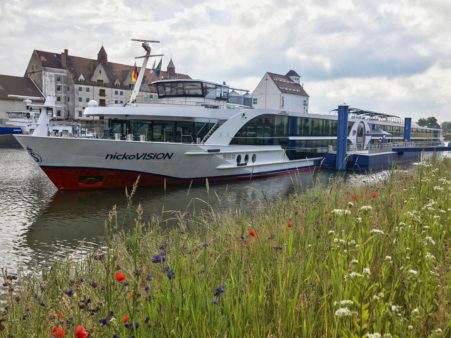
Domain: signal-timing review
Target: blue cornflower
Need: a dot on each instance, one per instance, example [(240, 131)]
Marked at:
[(93, 284), (215, 302), (158, 258), (69, 292), (103, 321), (220, 290), (171, 274), (149, 277), (147, 319), (147, 288)]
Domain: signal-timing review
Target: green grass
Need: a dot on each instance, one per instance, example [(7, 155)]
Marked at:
[(354, 262)]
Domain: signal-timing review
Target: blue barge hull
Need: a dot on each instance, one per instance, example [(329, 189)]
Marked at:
[(359, 161)]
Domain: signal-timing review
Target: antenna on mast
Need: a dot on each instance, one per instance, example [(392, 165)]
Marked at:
[(146, 45)]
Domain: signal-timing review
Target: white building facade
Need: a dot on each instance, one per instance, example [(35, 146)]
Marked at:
[(281, 92)]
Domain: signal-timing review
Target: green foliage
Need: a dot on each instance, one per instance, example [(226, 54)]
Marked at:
[(341, 261), (430, 122)]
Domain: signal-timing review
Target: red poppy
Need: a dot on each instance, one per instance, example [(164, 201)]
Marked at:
[(120, 277), (353, 198), (252, 233), (374, 194), (290, 225), (125, 319), (58, 332), (59, 315), (80, 332)]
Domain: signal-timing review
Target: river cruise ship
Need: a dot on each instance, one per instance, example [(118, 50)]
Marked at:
[(193, 133)]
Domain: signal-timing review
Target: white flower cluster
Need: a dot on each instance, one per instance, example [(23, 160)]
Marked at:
[(341, 212), (343, 312), (438, 188), (429, 239), (377, 231), (365, 208)]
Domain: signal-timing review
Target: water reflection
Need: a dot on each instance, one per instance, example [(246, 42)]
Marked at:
[(39, 224)]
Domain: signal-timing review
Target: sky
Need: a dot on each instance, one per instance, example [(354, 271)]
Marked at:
[(388, 56)]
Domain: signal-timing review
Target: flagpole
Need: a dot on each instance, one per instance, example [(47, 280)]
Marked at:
[(137, 86)]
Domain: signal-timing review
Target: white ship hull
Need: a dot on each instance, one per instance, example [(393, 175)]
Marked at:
[(77, 163)]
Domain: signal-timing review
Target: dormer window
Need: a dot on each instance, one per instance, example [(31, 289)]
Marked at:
[(81, 78), (117, 83)]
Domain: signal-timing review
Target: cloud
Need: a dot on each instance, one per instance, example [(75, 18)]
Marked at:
[(383, 55)]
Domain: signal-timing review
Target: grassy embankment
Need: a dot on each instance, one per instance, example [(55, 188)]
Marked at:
[(333, 262)]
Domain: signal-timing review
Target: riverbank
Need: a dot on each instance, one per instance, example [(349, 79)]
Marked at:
[(334, 261)]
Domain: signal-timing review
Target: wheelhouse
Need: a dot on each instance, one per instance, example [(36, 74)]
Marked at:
[(191, 88)]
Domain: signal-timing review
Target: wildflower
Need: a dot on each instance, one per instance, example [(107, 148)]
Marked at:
[(331, 232), (341, 212), (430, 240), (215, 302), (388, 258), (252, 233), (160, 258), (93, 284), (80, 332), (373, 194), (59, 315), (377, 231), (354, 261), (170, 274), (413, 272), (373, 335), (125, 319), (367, 271), (103, 321), (353, 198), (352, 275), (365, 208), (410, 327), (346, 302), (290, 224), (220, 290), (438, 188), (429, 256), (58, 332), (69, 292), (350, 204), (343, 312), (415, 312), (119, 276), (149, 277)]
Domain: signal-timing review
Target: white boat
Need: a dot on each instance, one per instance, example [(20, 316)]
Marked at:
[(28, 120), (192, 134)]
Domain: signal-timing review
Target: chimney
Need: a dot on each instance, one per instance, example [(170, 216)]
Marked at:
[(64, 56)]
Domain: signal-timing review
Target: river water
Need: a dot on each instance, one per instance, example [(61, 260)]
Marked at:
[(38, 224)]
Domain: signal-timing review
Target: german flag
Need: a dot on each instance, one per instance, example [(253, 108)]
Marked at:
[(134, 74)]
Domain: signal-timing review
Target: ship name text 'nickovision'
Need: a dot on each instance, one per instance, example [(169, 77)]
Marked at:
[(139, 156)]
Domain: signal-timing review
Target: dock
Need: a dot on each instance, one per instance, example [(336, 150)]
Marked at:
[(378, 156)]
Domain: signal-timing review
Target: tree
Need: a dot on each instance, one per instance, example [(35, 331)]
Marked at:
[(430, 122), (446, 127)]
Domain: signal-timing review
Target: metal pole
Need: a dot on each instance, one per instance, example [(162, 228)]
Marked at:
[(342, 137)]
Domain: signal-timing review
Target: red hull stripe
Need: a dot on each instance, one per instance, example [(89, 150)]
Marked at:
[(65, 178)]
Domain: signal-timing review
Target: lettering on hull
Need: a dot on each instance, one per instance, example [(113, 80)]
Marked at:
[(139, 156)]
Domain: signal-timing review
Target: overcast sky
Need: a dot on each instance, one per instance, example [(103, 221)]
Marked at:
[(389, 56)]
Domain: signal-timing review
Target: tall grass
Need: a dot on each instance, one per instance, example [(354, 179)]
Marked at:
[(332, 262)]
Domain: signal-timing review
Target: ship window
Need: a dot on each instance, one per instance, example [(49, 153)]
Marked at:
[(238, 159), (246, 158)]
